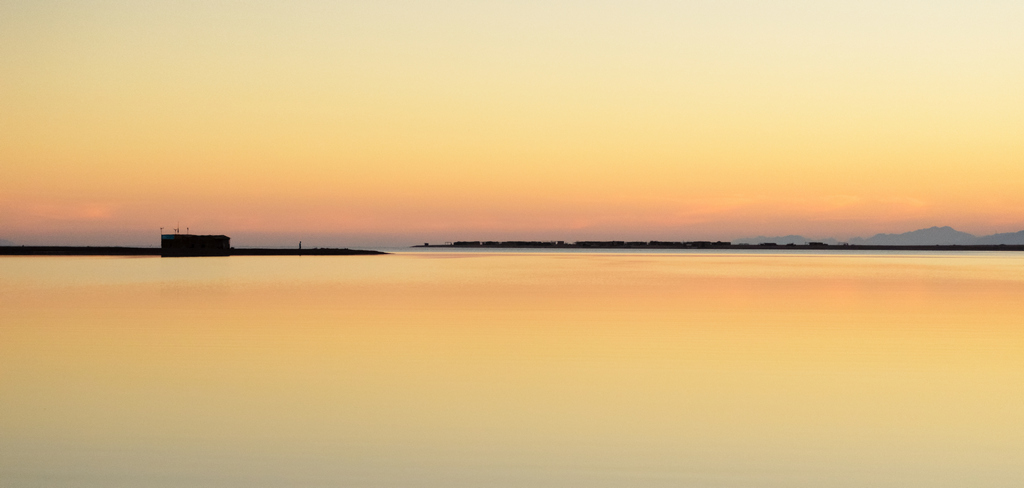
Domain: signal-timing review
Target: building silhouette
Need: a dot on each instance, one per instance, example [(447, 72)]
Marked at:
[(185, 245)]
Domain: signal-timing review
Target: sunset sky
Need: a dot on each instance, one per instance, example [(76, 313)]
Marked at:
[(387, 123)]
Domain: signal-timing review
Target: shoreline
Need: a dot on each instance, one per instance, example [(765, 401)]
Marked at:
[(156, 251), (749, 247)]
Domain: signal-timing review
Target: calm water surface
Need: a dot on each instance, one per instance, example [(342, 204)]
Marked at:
[(514, 370)]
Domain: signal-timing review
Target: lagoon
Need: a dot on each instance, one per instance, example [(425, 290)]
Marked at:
[(514, 369)]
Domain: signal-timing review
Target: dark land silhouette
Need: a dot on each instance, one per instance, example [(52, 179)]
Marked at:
[(189, 245), (179, 245), (715, 245), (156, 251)]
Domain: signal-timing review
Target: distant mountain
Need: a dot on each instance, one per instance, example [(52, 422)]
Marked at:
[(5, 242), (931, 236), (790, 239), (1006, 238), (922, 237)]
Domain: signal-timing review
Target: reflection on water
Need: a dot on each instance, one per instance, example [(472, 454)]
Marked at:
[(446, 370)]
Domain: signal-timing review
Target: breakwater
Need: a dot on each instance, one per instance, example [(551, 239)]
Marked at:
[(156, 251)]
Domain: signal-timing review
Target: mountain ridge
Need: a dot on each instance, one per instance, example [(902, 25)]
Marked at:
[(931, 236), (921, 237)]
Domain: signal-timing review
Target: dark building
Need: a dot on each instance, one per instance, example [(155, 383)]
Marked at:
[(185, 245)]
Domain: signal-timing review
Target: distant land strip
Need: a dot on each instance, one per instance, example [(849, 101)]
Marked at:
[(716, 245), (156, 251)]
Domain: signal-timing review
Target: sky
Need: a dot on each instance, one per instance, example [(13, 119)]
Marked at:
[(394, 123)]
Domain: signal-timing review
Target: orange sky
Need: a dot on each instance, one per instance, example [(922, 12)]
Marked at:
[(394, 123)]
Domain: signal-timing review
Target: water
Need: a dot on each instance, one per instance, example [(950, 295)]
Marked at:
[(514, 370)]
